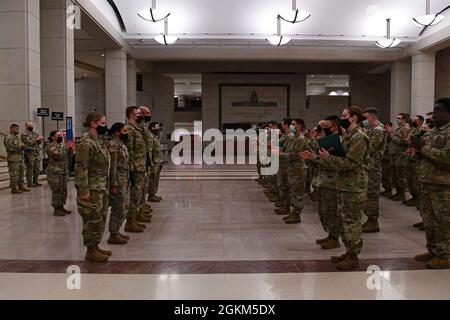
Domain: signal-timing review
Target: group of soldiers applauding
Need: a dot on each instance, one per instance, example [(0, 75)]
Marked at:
[(117, 168), (347, 177)]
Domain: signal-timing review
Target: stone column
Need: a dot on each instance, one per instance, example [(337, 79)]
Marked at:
[(423, 83), (116, 85), (57, 61), (131, 82), (400, 88), (20, 76)]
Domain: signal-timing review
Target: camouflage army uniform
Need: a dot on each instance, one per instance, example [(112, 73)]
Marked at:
[(412, 167), (15, 158), (377, 137), (119, 179), (156, 167), (434, 175), (32, 158), (57, 173), (325, 183), (282, 175), (138, 169), (351, 183), (148, 137), (313, 170), (296, 172), (397, 150), (387, 179), (91, 177)]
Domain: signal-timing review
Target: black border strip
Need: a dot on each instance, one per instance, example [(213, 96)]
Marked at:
[(118, 15)]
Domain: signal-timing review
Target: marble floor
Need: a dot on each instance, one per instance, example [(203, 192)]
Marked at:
[(395, 285), (214, 229), (205, 220)]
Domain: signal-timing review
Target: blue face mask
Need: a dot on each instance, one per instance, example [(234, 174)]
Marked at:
[(365, 123), (293, 129)]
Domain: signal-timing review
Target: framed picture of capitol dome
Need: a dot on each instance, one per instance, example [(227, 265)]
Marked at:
[(253, 103)]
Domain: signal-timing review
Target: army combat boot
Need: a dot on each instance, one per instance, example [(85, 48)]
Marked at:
[(123, 236), (338, 259), (141, 225), (371, 226), (24, 189), (37, 184), (132, 227), (386, 193), (438, 263), (399, 196), (320, 241), (153, 198), (288, 217), (116, 239), (350, 262), (419, 225), (65, 210), (31, 185), (16, 191), (281, 212), (105, 252), (330, 244), (294, 219), (57, 212), (94, 255), (413, 202), (425, 257), (142, 219)]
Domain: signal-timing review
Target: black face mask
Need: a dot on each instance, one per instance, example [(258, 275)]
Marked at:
[(414, 125), (139, 119), (345, 123), (124, 138), (156, 132), (328, 131), (30, 129), (430, 123), (148, 118), (59, 140), (102, 130)]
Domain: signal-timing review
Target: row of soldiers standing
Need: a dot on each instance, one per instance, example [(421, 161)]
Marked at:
[(349, 186), (23, 155), (123, 174)]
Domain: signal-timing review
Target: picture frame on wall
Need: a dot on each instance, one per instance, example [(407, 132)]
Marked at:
[(243, 104)]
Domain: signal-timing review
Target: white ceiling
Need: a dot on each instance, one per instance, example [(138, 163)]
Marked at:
[(249, 22)]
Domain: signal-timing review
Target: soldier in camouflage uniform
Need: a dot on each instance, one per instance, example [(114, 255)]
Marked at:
[(32, 158), (58, 172), (412, 166), (351, 183), (325, 184), (138, 168), (15, 148), (119, 182), (387, 164), (282, 175), (91, 180), (397, 150), (434, 175), (156, 168), (145, 214), (272, 185), (377, 137), (296, 171)]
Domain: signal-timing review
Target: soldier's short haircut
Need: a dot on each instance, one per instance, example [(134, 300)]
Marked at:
[(445, 102), (52, 135), (421, 118), (335, 119), (286, 121), (388, 123), (373, 111), (300, 122), (405, 116), (116, 127), (356, 111), (154, 124), (130, 111), (13, 126)]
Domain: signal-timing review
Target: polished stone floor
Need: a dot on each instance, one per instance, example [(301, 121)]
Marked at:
[(202, 218)]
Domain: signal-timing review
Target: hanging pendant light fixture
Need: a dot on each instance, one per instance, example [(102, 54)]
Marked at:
[(165, 39), (279, 40), (295, 15), (152, 14), (388, 42), (429, 19)]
